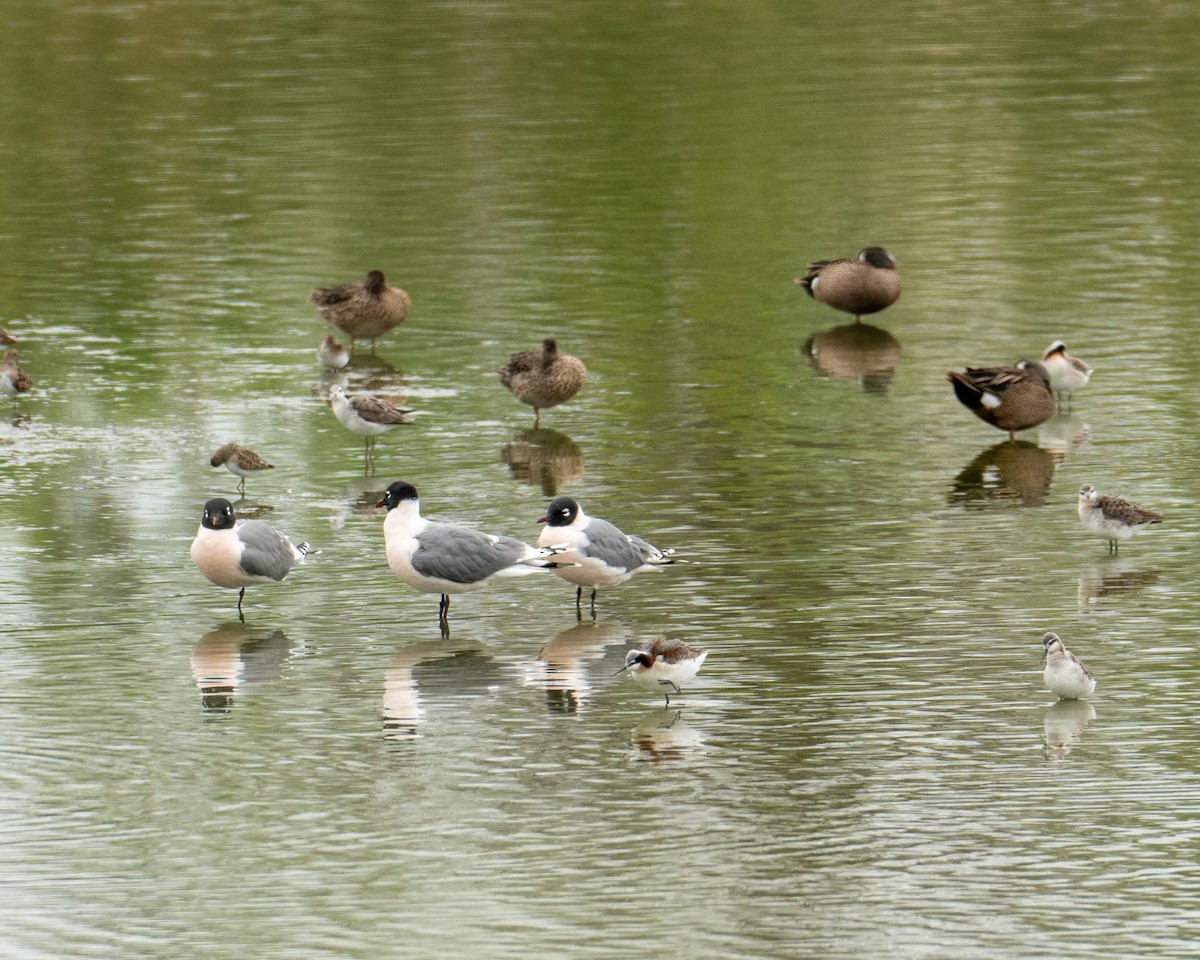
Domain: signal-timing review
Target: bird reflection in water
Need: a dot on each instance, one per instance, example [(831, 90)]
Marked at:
[(855, 351), (356, 499), (1012, 473), (1113, 578), (1065, 722), (561, 667), (433, 670), (662, 735), (250, 509), (543, 458), (234, 655), (1063, 435), (366, 374)]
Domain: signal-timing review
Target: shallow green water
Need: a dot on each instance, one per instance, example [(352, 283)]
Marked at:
[(868, 763)]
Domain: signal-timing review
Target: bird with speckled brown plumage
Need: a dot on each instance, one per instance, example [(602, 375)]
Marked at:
[(365, 309), (1009, 398), (544, 377), (858, 285)]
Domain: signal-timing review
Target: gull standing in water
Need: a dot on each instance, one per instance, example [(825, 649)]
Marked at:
[(596, 553), (445, 558), (239, 553)]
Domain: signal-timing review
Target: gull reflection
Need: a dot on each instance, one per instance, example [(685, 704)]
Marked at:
[(1063, 435), (543, 458), (1116, 577), (432, 669), (855, 351), (663, 735), (357, 498), (234, 655), (561, 665), (1064, 724), (1013, 472)]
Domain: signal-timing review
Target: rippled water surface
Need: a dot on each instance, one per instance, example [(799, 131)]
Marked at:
[(868, 764)]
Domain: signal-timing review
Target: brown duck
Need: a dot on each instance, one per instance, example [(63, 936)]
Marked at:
[(864, 284), (1011, 398), (365, 309), (13, 379), (543, 377)]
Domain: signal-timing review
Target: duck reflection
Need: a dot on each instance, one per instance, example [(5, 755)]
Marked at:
[(663, 735), (432, 669), (366, 373), (561, 665), (855, 351), (1116, 577), (543, 458), (1064, 725), (234, 655), (1012, 472)]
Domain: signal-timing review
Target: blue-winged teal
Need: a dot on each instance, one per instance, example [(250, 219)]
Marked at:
[(1113, 518), (365, 309), (543, 377), (1064, 674), (864, 284), (1010, 398), (1067, 373)]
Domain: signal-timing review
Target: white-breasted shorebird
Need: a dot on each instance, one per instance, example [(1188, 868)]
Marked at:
[(1113, 518), (663, 664), (1065, 676), (239, 461)]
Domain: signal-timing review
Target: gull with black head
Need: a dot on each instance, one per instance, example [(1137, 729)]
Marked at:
[(236, 553), (446, 558), (595, 552)]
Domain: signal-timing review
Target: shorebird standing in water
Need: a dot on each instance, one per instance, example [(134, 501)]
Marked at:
[(663, 664), (1113, 518), (1065, 676), (331, 354), (1067, 373), (240, 462), (366, 416)]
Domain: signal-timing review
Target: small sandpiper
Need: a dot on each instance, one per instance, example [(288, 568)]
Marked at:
[(663, 665), (1067, 373), (366, 416), (236, 553), (13, 379), (331, 354), (1065, 676), (1113, 518), (240, 462)]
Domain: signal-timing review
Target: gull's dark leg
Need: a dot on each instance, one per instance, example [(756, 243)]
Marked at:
[(444, 607), (241, 595)]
